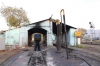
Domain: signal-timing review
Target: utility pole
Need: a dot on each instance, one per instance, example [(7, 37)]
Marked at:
[(92, 28)]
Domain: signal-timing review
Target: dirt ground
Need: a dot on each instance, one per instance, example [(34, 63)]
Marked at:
[(89, 49), (92, 48)]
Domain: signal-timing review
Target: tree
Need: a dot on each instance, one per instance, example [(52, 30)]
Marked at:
[(15, 17), (83, 31)]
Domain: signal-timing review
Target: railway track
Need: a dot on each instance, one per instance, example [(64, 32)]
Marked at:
[(37, 58), (83, 56), (92, 43), (9, 61)]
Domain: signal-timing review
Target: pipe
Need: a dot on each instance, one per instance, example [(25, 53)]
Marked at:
[(62, 11)]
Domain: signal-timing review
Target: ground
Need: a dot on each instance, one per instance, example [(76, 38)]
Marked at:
[(6, 54), (93, 48), (88, 48)]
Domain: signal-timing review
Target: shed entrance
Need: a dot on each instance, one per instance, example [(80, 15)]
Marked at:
[(37, 30)]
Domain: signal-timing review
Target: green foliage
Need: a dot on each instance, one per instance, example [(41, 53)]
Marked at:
[(14, 16), (80, 46)]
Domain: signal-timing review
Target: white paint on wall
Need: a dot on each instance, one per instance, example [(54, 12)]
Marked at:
[(79, 40), (20, 42)]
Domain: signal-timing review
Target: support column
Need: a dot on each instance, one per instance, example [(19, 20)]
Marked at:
[(59, 39)]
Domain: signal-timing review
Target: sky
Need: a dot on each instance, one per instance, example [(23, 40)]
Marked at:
[(78, 13)]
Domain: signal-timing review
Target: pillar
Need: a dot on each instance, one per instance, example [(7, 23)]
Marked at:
[(59, 39)]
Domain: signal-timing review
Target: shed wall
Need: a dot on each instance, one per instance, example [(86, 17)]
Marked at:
[(72, 37), (12, 37)]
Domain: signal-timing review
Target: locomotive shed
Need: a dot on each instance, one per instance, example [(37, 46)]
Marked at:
[(23, 36)]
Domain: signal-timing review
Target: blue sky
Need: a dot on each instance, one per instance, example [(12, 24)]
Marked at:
[(78, 12)]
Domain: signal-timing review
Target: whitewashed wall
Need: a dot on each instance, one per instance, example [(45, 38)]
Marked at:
[(2, 43), (44, 25)]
